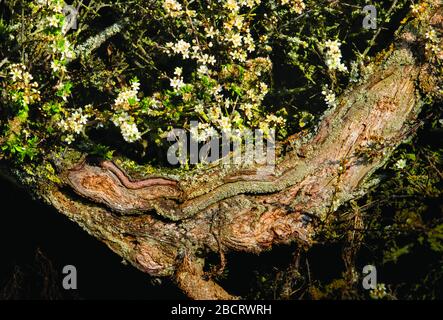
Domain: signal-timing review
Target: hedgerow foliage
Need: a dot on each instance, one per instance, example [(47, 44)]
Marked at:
[(131, 71)]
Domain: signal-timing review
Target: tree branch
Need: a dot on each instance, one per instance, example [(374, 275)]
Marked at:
[(159, 223)]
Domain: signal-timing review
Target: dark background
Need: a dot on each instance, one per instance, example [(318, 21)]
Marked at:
[(36, 242)]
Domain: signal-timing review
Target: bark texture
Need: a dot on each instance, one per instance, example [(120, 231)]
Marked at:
[(160, 223)]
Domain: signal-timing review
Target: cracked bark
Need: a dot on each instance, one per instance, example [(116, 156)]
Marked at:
[(159, 224)]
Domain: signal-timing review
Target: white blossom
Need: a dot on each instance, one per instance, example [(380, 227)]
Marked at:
[(400, 164), (330, 97), (202, 70), (127, 98), (181, 47), (431, 35), (235, 39), (177, 83), (296, 6), (178, 71), (75, 122), (379, 292), (232, 5), (127, 127), (172, 8), (69, 138), (53, 21), (130, 132), (333, 56)]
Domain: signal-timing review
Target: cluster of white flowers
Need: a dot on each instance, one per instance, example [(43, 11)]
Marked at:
[(214, 112), (56, 67), (418, 8), (232, 5), (52, 5), (177, 82), (433, 44), (247, 109), (181, 47), (61, 49), (237, 32), (130, 132), (203, 132), (230, 29), (203, 70), (262, 91), (205, 59), (23, 88), (354, 73), (251, 101), (235, 39), (54, 21), (225, 124), (235, 5), (237, 35), (127, 127), (400, 164), (297, 6), (379, 292), (56, 18), (74, 124), (187, 51), (126, 101), (64, 49), (127, 98), (431, 35), (173, 8), (333, 56), (330, 98), (271, 121)]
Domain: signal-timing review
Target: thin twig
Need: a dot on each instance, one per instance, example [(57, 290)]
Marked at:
[(372, 42)]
